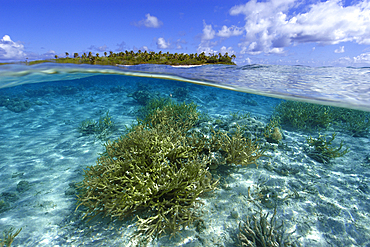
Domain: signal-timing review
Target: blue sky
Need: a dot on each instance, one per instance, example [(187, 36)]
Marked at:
[(315, 33)]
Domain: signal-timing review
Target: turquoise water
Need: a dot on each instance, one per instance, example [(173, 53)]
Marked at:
[(44, 149)]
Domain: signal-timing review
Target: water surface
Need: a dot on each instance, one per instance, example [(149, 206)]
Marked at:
[(43, 151)]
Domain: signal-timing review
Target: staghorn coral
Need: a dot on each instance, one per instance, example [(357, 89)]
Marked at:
[(152, 105), (276, 135), (321, 149), (356, 122), (303, 115), (100, 128), (148, 169), (237, 148), (159, 169), (311, 116), (181, 93), (259, 231), (8, 237), (272, 131), (88, 127), (142, 96), (167, 111)]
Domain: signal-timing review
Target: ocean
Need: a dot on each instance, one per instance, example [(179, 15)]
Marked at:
[(287, 148)]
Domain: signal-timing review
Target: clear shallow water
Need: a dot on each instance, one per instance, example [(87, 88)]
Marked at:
[(43, 153), (337, 86)]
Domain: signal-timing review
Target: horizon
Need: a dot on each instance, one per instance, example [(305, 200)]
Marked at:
[(309, 33)]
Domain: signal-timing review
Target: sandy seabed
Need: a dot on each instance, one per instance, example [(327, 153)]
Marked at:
[(42, 155)]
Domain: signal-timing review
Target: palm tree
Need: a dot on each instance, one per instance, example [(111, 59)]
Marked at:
[(131, 57), (202, 57), (93, 60)]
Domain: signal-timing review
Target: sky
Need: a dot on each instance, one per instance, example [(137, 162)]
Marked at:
[(283, 32)]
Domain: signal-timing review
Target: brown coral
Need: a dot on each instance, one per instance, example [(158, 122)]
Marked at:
[(276, 134)]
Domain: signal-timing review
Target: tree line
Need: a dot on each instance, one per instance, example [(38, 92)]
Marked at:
[(139, 57)]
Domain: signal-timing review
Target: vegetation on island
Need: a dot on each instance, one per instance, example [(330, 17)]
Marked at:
[(139, 57)]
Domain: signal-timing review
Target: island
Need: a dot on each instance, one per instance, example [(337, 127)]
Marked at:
[(139, 57)]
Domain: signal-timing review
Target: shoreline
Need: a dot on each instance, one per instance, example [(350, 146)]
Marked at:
[(187, 65)]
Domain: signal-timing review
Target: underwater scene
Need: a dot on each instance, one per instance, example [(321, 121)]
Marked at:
[(212, 155)]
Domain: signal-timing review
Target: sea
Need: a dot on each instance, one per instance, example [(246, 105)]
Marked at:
[(311, 187)]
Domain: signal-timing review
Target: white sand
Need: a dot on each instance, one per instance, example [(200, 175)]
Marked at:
[(43, 147)]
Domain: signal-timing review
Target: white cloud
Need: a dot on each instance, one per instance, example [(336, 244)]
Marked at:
[(150, 21), (229, 50), (276, 50), (206, 45), (227, 32), (103, 48), (179, 43), (344, 61), (339, 50), (264, 9), (100, 48), (10, 50), (269, 29), (363, 58), (208, 32), (6, 38), (360, 60), (331, 23), (51, 52), (48, 55), (121, 46), (248, 61), (162, 44)]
